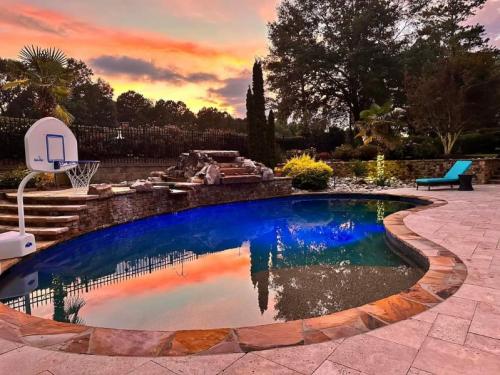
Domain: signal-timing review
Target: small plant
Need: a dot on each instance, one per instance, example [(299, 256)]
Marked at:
[(380, 178), (359, 169), (307, 173)]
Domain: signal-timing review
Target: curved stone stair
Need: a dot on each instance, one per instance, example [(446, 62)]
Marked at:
[(50, 216)]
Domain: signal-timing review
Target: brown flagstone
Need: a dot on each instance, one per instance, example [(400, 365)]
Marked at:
[(393, 309), (78, 344), (270, 336), (50, 327), (418, 294), (117, 342), (196, 341), (344, 318)]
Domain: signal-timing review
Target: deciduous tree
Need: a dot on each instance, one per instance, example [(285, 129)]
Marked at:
[(334, 55), (455, 95), (133, 108)]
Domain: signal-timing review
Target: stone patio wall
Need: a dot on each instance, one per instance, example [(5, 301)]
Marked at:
[(126, 207), (409, 170)]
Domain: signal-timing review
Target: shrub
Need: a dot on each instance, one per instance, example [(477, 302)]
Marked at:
[(12, 179), (478, 143), (344, 152), (307, 173), (416, 147), (366, 152), (359, 169)]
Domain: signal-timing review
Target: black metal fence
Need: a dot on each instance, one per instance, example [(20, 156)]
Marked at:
[(125, 142)]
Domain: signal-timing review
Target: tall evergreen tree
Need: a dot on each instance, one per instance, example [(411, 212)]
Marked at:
[(271, 140), (259, 112), (251, 124)]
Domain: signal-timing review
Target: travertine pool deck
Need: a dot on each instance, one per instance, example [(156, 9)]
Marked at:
[(458, 336)]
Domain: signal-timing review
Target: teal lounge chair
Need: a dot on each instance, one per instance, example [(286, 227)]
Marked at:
[(451, 178)]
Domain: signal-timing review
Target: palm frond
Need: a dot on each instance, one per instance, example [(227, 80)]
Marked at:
[(17, 83), (32, 55), (62, 114)]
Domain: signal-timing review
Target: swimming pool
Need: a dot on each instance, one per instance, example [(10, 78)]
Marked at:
[(231, 265)]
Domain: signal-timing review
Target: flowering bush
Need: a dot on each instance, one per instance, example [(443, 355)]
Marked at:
[(307, 173)]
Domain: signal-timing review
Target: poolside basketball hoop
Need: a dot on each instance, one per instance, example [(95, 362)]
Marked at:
[(81, 175), (50, 147)]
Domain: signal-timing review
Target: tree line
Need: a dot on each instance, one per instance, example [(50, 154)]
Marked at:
[(330, 60), (45, 82)]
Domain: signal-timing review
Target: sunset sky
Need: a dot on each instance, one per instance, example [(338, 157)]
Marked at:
[(191, 50)]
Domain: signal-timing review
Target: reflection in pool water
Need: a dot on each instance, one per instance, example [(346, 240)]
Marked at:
[(232, 265)]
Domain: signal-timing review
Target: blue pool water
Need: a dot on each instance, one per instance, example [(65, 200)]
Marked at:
[(231, 265)]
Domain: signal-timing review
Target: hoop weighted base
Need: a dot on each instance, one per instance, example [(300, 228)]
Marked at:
[(16, 245)]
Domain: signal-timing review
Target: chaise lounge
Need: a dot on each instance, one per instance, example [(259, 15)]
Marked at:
[(451, 178)]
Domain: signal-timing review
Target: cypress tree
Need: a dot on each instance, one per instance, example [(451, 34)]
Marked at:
[(251, 124), (271, 140), (259, 113)]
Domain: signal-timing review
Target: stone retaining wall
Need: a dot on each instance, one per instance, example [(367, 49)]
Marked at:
[(111, 172), (409, 170), (126, 207)]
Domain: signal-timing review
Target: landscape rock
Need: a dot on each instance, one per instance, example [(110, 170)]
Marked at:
[(102, 190), (212, 175), (360, 185), (267, 174), (142, 186), (155, 179), (249, 165), (159, 174)]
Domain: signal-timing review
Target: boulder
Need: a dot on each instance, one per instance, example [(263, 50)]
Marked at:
[(159, 174), (142, 186), (102, 190), (212, 175), (267, 174), (196, 180), (249, 165)]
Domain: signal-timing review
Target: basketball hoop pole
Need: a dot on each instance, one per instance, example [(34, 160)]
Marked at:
[(20, 203)]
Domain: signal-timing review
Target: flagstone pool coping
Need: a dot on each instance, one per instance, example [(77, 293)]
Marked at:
[(445, 274)]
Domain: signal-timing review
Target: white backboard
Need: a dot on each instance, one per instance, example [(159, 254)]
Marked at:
[(48, 143)]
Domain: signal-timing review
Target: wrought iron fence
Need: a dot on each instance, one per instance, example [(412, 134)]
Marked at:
[(125, 142)]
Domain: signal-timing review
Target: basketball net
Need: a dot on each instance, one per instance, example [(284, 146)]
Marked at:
[(81, 175)]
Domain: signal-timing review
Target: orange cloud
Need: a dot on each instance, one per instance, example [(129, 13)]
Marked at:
[(204, 66)]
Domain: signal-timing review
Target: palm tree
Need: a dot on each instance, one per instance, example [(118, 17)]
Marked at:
[(377, 125), (45, 71)]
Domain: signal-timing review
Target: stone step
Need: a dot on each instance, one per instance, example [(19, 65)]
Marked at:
[(37, 231), (241, 179), (39, 220), (234, 171), (48, 198), (495, 181), (47, 208)]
